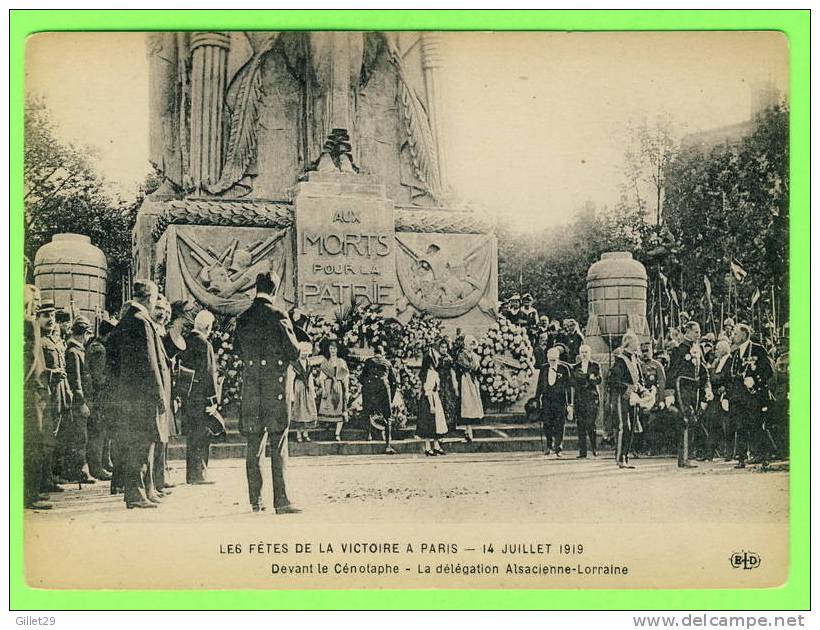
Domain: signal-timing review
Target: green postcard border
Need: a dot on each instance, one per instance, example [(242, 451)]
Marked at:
[(794, 595)]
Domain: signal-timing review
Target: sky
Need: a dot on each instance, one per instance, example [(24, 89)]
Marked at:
[(535, 123)]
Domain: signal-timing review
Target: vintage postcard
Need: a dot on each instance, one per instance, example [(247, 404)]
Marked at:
[(407, 310)]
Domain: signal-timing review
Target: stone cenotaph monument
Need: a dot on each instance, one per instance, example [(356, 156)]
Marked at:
[(318, 156)]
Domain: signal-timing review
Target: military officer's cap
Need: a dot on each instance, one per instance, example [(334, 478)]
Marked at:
[(527, 297), (46, 306), (63, 316), (515, 297), (80, 325)]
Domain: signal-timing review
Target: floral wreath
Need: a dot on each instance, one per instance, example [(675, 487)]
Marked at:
[(507, 363)]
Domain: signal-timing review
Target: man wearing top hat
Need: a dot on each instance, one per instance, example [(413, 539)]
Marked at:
[(75, 427), (265, 343), (138, 391)]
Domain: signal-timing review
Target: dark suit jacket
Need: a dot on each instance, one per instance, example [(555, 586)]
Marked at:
[(754, 361), (136, 376), (561, 390), (266, 344), (198, 356), (75, 369), (586, 385)]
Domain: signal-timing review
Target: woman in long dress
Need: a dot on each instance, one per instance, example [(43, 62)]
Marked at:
[(448, 390), (334, 383), (431, 423), (471, 406), (303, 401)]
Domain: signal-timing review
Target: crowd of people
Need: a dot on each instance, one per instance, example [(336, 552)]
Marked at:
[(103, 399), (702, 396)]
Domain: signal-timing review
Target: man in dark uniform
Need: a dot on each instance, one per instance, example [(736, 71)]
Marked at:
[(586, 376), (689, 380), (63, 319), (747, 389), (528, 317), (199, 357), (35, 394), (266, 344), (97, 396), (626, 384), (571, 338), (75, 427), (555, 395), (138, 391), (59, 395), (543, 328), (654, 378)]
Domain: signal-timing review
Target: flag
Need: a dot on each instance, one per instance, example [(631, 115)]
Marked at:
[(737, 271), (663, 279), (708, 286), (674, 296), (755, 296)]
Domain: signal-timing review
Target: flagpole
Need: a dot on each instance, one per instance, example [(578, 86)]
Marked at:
[(774, 317)]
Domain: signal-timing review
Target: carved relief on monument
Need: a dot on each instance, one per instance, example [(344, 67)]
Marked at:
[(235, 113), (217, 268), (446, 275)]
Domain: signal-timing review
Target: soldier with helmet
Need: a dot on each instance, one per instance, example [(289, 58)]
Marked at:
[(74, 430)]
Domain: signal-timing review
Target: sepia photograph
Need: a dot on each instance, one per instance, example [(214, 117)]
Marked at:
[(406, 310)]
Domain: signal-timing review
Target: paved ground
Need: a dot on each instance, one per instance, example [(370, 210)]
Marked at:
[(502, 487)]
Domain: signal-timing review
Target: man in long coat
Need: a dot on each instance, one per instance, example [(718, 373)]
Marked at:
[(749, 395), (689, 380), (266, 344), (555, 394), (59, 399), (627, 386), (199, 357), (139, 396), (76, 429), (35, 403), (586, 376)]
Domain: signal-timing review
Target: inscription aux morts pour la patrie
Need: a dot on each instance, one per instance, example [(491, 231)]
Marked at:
[(349, 261)]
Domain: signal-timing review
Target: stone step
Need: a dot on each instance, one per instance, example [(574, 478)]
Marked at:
[(230, 450), (326, 434)]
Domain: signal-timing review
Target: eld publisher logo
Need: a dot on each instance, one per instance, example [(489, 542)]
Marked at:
[(744, 560)]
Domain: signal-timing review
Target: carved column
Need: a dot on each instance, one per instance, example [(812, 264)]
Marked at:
[(209, 56), (432, 60)]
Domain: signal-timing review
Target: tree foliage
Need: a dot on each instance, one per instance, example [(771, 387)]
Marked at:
[(732, 202), (64, 193), (727, 201)]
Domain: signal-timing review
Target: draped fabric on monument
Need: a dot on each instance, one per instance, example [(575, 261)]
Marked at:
[(448, 275), (217, 268)]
